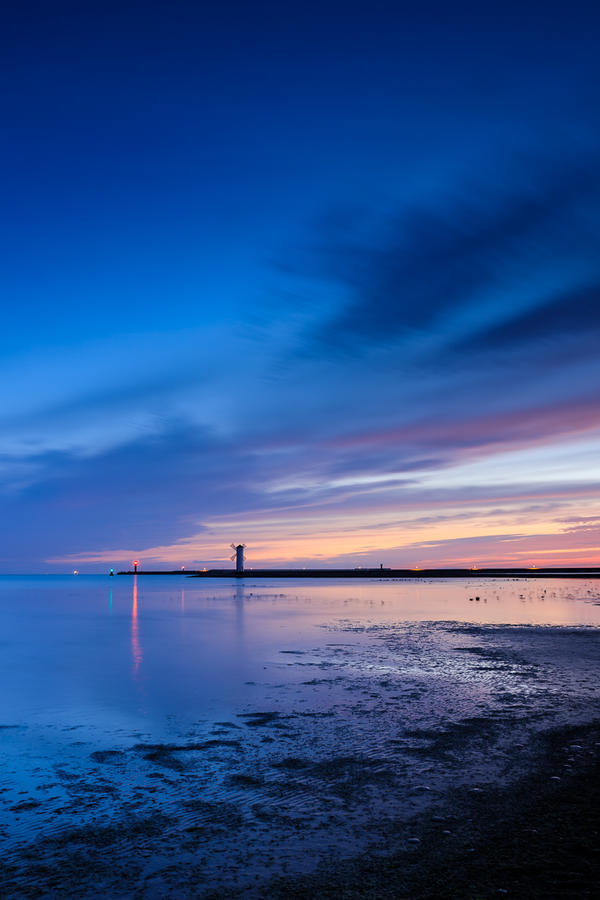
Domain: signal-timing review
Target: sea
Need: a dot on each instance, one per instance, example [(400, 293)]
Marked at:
[(94, 651), (210, 708)]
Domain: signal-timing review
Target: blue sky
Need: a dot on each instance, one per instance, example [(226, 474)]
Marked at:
[(323, 278)]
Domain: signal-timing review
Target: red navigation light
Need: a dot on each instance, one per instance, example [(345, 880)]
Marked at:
[(136, 562)]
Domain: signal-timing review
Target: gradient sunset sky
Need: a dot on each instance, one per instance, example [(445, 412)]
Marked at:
[(319, 277)]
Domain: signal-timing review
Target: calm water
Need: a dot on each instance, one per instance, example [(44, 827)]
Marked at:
[(99, 652)]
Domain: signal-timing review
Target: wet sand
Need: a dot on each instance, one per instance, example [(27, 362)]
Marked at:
[(414, 759), (537, 838)]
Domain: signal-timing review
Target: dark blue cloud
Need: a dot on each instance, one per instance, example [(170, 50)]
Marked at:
[(143, 493), (556, 319), (474, 265)]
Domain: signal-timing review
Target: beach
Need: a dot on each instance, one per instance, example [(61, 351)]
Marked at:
[(372, 753)]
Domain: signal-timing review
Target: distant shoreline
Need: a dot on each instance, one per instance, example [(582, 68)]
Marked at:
[(383, 573)]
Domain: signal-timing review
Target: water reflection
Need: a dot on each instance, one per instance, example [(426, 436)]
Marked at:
[(239, 599), (136, 650)]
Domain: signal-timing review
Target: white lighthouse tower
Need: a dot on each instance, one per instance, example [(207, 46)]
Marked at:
[(238, 556)]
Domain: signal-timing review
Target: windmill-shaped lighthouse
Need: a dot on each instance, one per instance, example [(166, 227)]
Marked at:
[(238, 556)]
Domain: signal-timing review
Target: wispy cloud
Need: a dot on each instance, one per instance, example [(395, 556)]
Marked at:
[(498, 264)]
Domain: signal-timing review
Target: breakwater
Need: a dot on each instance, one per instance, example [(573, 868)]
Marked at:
[(541, 572)]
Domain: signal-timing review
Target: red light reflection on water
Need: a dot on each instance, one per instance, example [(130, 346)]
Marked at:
[(136, 649)]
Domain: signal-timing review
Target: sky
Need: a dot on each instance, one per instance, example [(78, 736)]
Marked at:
[(321, 278)]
